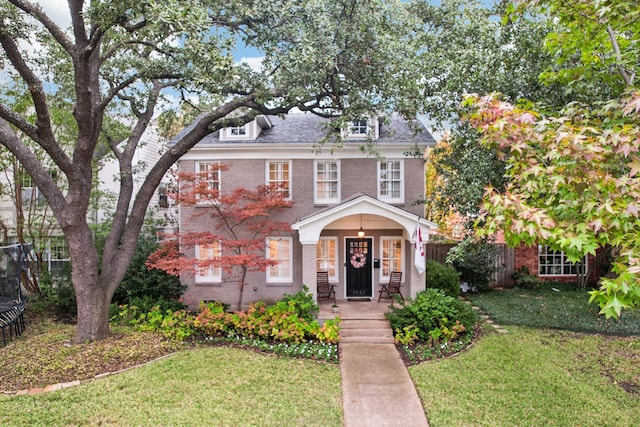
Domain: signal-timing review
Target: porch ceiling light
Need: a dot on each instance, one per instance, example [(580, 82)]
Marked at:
[(361, 231)]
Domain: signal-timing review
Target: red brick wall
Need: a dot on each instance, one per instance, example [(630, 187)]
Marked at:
[(528, 257)]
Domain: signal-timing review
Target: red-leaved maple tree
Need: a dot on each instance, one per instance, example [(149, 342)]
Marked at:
[(242, 220)]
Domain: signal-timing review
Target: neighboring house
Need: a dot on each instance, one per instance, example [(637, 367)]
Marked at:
[(40, 224), (546, 264), (149, 151), (335, 195)]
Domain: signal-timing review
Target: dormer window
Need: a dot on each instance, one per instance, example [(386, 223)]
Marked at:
[(246, 131), (364, 127), (238, 130), (359, 127)]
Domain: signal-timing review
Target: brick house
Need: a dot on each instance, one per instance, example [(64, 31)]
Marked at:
[(334, 195), (550, 265)]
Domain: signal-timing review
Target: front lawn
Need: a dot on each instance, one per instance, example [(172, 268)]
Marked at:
[(553, 306), (560, 366), (220, 386), (534, 377)]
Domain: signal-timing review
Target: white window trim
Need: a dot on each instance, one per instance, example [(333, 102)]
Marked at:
[(402, 182), (316, 199), (371, 130), (280, 279), (562, 265), (50, 255), (268, 181), (336, 276), (226, 132), (354, 135), (215, 275), (198, 171), (402, 255)]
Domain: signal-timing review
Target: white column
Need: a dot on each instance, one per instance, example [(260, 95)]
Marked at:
[(309, 268)]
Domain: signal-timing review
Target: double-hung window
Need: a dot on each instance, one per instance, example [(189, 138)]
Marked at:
[(555, 263), (207, 270), (209, 173), (327, 256), (57, 256), (280, 249), (390, 181), (327, 182), (392, 249), (279, 176)]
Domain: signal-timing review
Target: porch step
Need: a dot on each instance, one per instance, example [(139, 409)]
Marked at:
[(366, 331)]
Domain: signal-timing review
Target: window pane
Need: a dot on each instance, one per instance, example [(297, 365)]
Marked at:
[(237, 130), (390, 180), (209, 172), (280, 250), (326, 257), (208, 252), (279, 177), (551, 263), (326, 181), (391, 255)]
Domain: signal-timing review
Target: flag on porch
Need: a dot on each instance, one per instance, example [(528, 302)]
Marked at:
[(419, 260)]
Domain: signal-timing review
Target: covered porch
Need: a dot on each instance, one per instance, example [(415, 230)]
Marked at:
[(359, 243)]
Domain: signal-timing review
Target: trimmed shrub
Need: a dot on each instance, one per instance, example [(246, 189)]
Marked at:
[(433, 315), (445, 277)]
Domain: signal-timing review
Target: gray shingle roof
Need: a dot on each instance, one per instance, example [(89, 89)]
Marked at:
[(307, 128)]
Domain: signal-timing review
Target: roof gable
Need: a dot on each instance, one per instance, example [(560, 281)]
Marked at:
[(309, 228)]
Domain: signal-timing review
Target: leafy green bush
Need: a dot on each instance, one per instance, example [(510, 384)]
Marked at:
[(279, 322), (445, 277), (303, 303), (56, 294), (475, 259), (524, 279), (147, 288), (433, 315)]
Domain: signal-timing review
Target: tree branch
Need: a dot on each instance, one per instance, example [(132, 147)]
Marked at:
[(36, 11), (628, 79)]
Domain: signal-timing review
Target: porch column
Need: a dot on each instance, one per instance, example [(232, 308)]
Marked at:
[(417, 280), (309, 268)]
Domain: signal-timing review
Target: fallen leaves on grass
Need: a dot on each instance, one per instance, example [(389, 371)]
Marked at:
[(45, 354)]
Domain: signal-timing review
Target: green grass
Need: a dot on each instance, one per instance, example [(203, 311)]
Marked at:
[(533, 377), (566, 308), (559, 365), (220, 386)]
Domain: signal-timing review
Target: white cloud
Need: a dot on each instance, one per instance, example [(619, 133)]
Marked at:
[(254, 62), (57, 10)]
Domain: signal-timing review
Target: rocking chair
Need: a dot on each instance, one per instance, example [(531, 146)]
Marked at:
[(325, 289), (393, 287)]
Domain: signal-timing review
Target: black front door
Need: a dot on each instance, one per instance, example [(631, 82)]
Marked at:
[(359, 268)]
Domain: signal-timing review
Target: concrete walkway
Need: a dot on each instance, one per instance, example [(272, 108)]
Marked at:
[(376, 387)]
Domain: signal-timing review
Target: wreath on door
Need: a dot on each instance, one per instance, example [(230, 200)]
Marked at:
[(358, 259)]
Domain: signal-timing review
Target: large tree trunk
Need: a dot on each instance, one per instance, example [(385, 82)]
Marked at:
[(93, 309), (93, 289)]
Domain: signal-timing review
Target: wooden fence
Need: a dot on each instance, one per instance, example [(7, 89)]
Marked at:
[(505, 261)]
